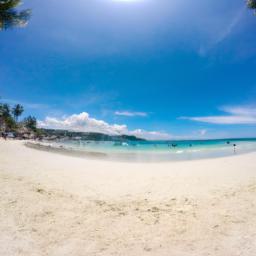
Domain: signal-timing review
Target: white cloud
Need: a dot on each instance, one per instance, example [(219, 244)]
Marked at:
[(225, 32), (131, 113), (202, 132), (151, 135), (84, 123), (240, 110), (225, 119), (235, 115)]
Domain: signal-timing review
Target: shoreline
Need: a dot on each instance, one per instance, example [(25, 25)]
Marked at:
[(64, 151), (54, 204), (136, 157)]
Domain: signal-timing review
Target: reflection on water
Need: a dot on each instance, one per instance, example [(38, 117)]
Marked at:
[(162, 150)]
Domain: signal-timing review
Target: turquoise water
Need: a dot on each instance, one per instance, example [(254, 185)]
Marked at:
[(164, 150)]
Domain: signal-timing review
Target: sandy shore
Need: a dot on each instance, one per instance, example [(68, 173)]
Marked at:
[(57, 205)]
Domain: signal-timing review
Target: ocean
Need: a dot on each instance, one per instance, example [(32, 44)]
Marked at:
[(163, 150)]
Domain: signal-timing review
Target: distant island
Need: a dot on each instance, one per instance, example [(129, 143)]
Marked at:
[(53, 134)]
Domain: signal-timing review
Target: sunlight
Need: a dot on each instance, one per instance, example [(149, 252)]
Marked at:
[(127, 1)]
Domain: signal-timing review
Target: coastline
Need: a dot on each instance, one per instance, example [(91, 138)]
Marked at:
[(64, 151), (138, 157), (55, 204)]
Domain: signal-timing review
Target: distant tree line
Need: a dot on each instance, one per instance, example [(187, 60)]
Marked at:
[(9, 119), (94, 136)]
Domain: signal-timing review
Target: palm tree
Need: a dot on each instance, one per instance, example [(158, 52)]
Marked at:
[(30, 122), (10, 17), (17, 110), (252, 4), (6, 120), (4, 110)]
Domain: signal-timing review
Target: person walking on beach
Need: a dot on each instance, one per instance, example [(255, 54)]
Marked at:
[(234, 145), (4, 135)]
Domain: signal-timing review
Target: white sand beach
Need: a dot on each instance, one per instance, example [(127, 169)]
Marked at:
[(58, 205)]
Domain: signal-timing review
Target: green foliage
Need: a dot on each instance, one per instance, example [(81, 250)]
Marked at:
[(10, 17), (30, 123), (10, 124), (9, 117), (39, 132), (88, 135), (17, 110), (8, 4), (6, 121), (4, 110), (251, 4)]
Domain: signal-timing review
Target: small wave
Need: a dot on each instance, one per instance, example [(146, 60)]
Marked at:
[(194, 150)]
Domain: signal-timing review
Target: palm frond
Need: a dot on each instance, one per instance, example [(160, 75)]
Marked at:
[(10, 17), (8, 4), (251, 4)]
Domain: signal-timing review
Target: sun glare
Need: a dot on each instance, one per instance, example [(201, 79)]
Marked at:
[(127, 1)]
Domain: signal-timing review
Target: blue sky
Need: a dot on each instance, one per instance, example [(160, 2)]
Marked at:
[(153, 68)]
